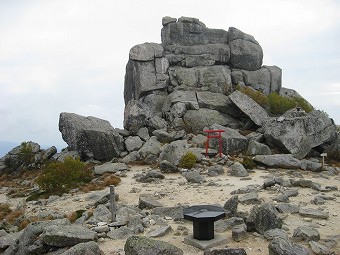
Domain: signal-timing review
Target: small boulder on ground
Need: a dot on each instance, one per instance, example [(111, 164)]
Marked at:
[(139, 245)]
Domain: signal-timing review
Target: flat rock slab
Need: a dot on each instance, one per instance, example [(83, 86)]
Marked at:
[(110, 168), (205, 244), (247, 105), (313, 213)]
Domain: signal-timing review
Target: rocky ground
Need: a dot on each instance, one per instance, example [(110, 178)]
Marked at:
[(175, 190)]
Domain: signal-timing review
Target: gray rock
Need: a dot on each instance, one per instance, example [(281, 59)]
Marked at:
[(287, 208), (225, 251), (306, 184), (88, 248), (291, 192), (133, 143), (196, 120), (223, 225), (150, 176), (91, 136), (319, 248), (136, 224), (49, 153), (299, 135), (275, 78), (110, 168), (218, 170), (197, 55), (175, 212), (9, 239), (22, 156), (232, 141), (199, 141), (167, 167), (146, 51), (238, 170), (306, 233), (235, 33), (239, 233), (159, 232), (142, 77), (138, 245), (151, 160), (3, 232), (287, 161), (263, 218), (151, 147), (62, 236), (29, 240), (131, 157), (61, 156), (147, 202), (174, 152), (164, 137), (252, 109), (215, 101), (245, 55), (193, 177), (283, 246), (120, 233), (259, 79), (313, 213), (281, 198), (186, 97), (231, 206), (276, 232), (191, 31), (136, 114), (143, 133), (250, 198), (101, 213), (125, 214), (311, 165), (256, 148)]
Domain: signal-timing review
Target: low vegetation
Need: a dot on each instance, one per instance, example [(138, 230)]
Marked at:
[(188, 160), (248, 162), (60, 177), (274, 103), (8, 215)]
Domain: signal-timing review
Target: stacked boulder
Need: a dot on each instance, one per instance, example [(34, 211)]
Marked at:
[(185, 82)]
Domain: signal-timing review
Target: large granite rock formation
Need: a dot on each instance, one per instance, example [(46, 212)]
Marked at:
[(191, 74), (92, 137), (297, 132), (189, 82)]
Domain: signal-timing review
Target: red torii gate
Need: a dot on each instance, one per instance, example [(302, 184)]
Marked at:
[(214, 133)]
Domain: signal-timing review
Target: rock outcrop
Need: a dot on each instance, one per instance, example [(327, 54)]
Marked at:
[(92, 137), (187, 79), (27, 155), (297, 132)]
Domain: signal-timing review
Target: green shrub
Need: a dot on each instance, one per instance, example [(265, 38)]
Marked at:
[(61, 177), (303, 103), (257, 96), (248, 163), (274, 103), (26, 153), (279, 104), (188, 160)]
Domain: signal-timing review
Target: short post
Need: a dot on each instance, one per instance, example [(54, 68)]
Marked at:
[(323, 155), (113, 203)]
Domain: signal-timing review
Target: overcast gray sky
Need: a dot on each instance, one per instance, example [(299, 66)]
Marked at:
[(70, 55)]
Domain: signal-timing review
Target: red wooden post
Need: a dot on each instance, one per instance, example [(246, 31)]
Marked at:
[(214, 134)]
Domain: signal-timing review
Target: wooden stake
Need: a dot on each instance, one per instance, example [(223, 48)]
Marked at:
[(113, 203)]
